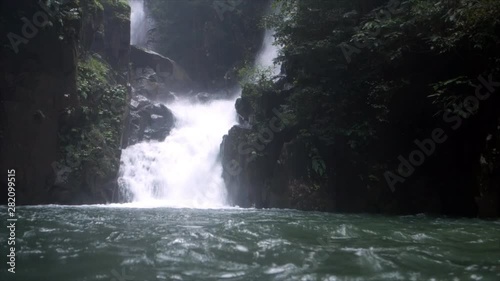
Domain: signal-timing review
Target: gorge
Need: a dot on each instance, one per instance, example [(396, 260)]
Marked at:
[(250, 140)]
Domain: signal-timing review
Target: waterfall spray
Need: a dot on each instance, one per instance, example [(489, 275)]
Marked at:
[(268, 53), (183, 170), (139, 24)]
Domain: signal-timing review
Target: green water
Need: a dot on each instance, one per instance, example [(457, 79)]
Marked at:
[(126, 244)]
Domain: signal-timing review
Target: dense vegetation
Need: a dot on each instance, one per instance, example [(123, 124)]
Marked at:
[(91, 137), (365, 88)]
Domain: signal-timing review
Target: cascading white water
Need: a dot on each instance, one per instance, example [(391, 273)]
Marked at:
[(184, 170), (268, 53), (139, 23)]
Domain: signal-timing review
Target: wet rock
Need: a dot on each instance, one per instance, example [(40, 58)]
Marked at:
[(148, 121), (139, 102), (155, 76), (270, 174), (244, 109)]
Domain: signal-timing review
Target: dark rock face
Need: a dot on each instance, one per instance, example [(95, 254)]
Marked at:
[(249, 161), (147, 121), (290, 181), (255, 175), (33, 84), (155, 76), (244, 110), (264, 164), (489, 176), (142, 58), (154, 79), (235, 167), (211, 39), (116, 34), (38, 85)]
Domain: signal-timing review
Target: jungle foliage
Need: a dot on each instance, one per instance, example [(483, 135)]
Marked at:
[(370, 77), (91, 140)]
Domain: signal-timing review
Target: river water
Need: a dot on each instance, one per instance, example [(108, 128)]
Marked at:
[(125, 243)]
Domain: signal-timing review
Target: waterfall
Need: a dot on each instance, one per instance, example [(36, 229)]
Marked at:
[(184, 170), (267, 54), (139, 24)]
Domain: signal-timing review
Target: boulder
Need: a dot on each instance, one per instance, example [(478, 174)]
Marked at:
[(155, 76), (141, 58), (148, 121), (244, 110), (146, 82)]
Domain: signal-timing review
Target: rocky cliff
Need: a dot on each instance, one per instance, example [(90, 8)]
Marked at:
[(393, 114), (63, 84)]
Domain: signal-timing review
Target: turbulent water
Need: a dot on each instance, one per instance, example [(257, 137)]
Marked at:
[(184, 170), (126, 244)]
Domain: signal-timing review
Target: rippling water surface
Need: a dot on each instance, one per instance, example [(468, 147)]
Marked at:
[(126, 244)]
